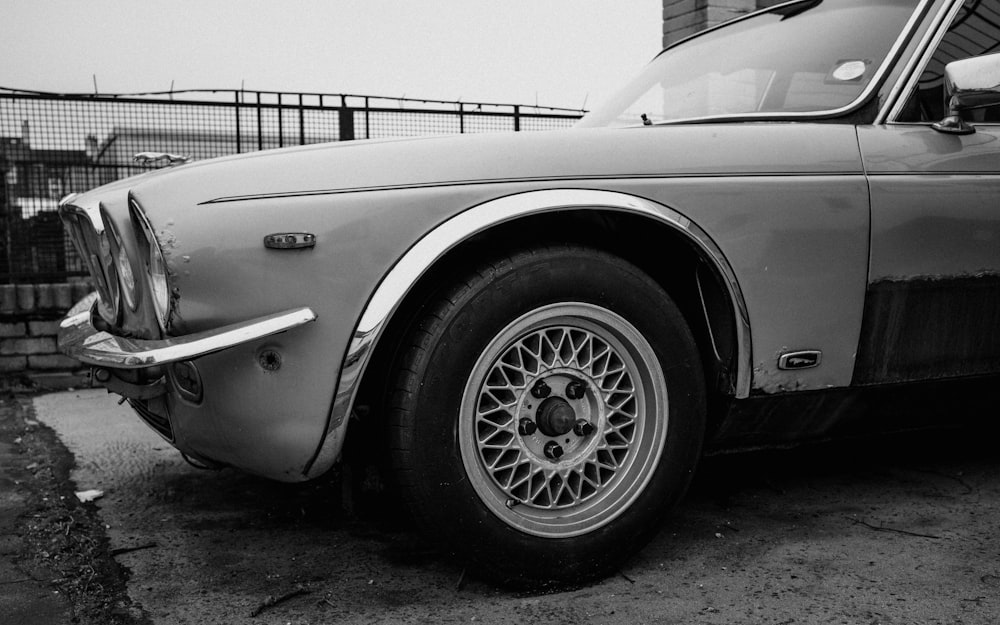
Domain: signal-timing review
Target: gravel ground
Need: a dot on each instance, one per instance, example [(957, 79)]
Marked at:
[(66, 572), (889, 530)]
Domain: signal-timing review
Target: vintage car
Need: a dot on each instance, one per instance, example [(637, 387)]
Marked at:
[(551, 328)]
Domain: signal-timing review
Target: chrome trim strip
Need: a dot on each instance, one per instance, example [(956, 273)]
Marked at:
[(328, 452), (522, 179), (419, 258), (932, 39), (91, 211), (725, 23), (79, 339)]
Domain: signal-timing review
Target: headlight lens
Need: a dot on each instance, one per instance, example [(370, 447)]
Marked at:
[(161, 292), (123, 267), (109, 306), (127, 278), (155, 265)]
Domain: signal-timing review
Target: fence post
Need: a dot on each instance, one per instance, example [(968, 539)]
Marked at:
[(302, 122), (517, 118), (5, 212), (236, 98), (368, 131), (346, 124), (260, 130), (345, 121), (281, 124)]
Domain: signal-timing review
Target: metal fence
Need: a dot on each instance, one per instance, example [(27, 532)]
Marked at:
[(55, 144)]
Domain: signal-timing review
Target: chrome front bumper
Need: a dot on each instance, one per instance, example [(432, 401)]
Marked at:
[(142, 372), (78, 338)]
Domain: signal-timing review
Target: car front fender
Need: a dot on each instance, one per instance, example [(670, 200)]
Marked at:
[(398, 282)]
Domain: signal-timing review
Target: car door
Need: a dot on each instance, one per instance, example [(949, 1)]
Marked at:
[(933, 301)]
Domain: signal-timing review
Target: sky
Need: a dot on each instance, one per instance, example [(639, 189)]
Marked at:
[(560, 53)]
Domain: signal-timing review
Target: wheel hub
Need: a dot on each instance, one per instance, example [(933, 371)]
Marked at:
[(555, 417)]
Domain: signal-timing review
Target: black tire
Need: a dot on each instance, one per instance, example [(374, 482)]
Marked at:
[(611, 347)]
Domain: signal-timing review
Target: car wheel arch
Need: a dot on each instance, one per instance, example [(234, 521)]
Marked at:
[(558, 215)]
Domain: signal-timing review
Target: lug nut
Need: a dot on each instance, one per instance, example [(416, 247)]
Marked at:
[(583, 428), (575, 389), (553, 451), (540, 390), (526, 427)]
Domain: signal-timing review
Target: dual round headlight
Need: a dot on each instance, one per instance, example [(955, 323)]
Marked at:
[(120, 282), (153, 264)]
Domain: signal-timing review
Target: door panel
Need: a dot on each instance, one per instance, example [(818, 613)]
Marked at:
[(933, 304)]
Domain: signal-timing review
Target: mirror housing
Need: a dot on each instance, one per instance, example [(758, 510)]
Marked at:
[(969, 84)]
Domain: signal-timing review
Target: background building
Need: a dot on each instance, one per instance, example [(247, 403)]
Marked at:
[(686, 17)]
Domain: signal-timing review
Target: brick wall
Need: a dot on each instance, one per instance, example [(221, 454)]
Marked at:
[(29, 324), (682, 18)]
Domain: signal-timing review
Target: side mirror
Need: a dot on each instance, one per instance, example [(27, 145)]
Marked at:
[(969, 84)]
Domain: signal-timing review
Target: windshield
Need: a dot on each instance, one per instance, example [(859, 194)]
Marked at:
[(804, 57)]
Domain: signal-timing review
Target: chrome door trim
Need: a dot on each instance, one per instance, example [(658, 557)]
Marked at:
[(915, 66)]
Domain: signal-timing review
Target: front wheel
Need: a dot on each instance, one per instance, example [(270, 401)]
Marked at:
[(548, 410)]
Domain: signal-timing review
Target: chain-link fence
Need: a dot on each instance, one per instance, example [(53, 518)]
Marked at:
[(54, 144)]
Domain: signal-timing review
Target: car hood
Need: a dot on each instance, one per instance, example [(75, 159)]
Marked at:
[(575, 154)]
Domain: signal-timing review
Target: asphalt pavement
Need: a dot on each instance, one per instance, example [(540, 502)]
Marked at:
[(890, 531)]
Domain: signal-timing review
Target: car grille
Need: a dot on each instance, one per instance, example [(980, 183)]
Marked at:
[(160, 423)]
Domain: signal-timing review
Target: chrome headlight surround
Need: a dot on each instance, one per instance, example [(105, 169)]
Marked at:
[(154, 264), (121, 265), (89, 236)]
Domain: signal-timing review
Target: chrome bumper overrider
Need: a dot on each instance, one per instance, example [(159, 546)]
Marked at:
[(79, 339)]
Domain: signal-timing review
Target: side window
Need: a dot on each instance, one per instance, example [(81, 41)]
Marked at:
[(975, 31)]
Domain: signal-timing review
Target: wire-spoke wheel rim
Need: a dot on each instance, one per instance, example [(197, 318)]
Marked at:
[(563, 419)]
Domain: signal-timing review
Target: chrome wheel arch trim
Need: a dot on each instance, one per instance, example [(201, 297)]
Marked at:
[(398, 282)]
